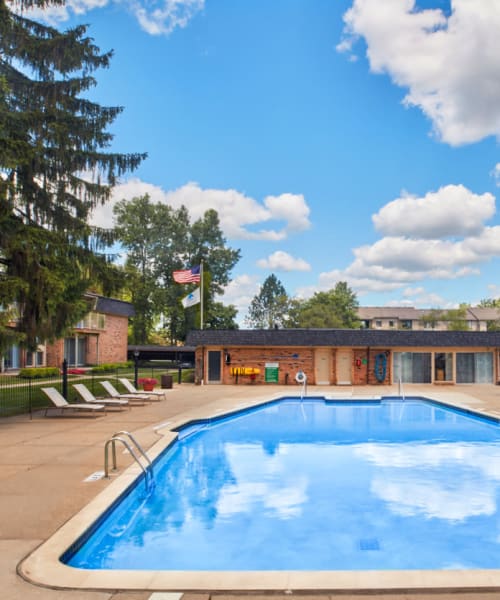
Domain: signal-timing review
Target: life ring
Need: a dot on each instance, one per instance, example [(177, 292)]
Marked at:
[(380, 367), (300, 377)]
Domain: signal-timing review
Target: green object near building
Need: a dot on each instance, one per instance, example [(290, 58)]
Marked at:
[(271, 374)]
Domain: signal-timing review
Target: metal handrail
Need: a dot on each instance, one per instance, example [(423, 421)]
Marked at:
[(148, 471), (401, 391), (137, 445)]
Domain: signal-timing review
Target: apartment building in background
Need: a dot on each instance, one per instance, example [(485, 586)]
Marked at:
[(101, 337)]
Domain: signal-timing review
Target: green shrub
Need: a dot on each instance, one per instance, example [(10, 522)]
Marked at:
[(187, 376), (107, 367), (38, 372)]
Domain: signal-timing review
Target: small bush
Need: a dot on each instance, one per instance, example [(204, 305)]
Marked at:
[(106, 367), (38, 372), (187, 376)]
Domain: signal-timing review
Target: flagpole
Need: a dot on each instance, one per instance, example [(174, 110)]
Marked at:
[(201, 294)]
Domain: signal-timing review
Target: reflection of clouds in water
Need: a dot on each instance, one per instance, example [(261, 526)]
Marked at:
[(415, 495), (285, 501), (483, 458), (269, 489), (411, 484)]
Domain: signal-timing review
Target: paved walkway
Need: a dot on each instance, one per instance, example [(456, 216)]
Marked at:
[(44, 463)]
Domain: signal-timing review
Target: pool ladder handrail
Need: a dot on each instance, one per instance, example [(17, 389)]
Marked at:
[(303, 391), (116, 437), (401, 392)]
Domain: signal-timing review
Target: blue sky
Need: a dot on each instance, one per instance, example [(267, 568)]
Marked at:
[(339, 140)]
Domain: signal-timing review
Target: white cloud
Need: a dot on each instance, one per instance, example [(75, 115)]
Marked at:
[(154, 17), (166, 16), (493, 291), (240, 292), (440, 236), (451, 211), (282, 261), (448, 64), (496, 173), (419, 297), (291, 208), (54, 15), (415, 256), (238, 213)]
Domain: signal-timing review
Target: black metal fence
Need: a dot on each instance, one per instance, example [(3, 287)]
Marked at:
[(24, 396)]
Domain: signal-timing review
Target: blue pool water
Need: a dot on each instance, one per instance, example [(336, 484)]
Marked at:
[(314, 485)]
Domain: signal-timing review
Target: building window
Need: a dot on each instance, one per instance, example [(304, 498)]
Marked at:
[(474, 367), (92, 320), (34, 359), (412, 367), (12, 358), (75, 350), (406, 324), (391, 323), (378, 323)]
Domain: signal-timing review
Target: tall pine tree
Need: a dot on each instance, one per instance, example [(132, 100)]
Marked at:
[(270, 307), (54, 169)]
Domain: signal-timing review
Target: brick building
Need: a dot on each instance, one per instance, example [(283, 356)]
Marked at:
[(475, 318), (346, 356), (101, 337)]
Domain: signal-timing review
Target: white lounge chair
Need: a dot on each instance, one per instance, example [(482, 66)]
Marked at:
[(128, 385), (59, 401), (114, 393), (89, 397)]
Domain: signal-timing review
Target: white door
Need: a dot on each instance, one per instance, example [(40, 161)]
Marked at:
[(322, 366), (344, 367)]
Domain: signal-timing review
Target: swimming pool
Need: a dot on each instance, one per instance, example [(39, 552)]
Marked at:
[(313, 485)]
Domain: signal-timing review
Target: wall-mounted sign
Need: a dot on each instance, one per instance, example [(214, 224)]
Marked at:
[(271, 374)]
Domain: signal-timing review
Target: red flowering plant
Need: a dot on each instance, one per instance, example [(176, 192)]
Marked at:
[(147, 381)]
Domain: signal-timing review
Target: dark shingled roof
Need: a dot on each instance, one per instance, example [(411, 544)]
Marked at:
[(112, 306), (342, 337)]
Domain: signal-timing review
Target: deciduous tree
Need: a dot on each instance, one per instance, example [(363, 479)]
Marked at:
[(159, 240), (336, 308)]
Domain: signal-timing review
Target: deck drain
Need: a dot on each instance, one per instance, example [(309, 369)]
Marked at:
[(95, 476), (369, 544)]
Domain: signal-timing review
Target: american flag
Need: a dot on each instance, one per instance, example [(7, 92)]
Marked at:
[(191, 275)]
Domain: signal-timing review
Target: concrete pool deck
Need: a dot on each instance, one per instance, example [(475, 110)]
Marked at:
[(44, 463)]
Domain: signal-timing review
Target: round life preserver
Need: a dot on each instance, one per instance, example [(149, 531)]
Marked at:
[(380, 366), (300, 377)]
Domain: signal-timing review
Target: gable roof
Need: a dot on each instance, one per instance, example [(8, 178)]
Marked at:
[(342, 338)]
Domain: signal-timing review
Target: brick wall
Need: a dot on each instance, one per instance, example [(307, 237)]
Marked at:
[(105, 346), (290, 361), (113, 340), (364, 363), (54, 353)]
